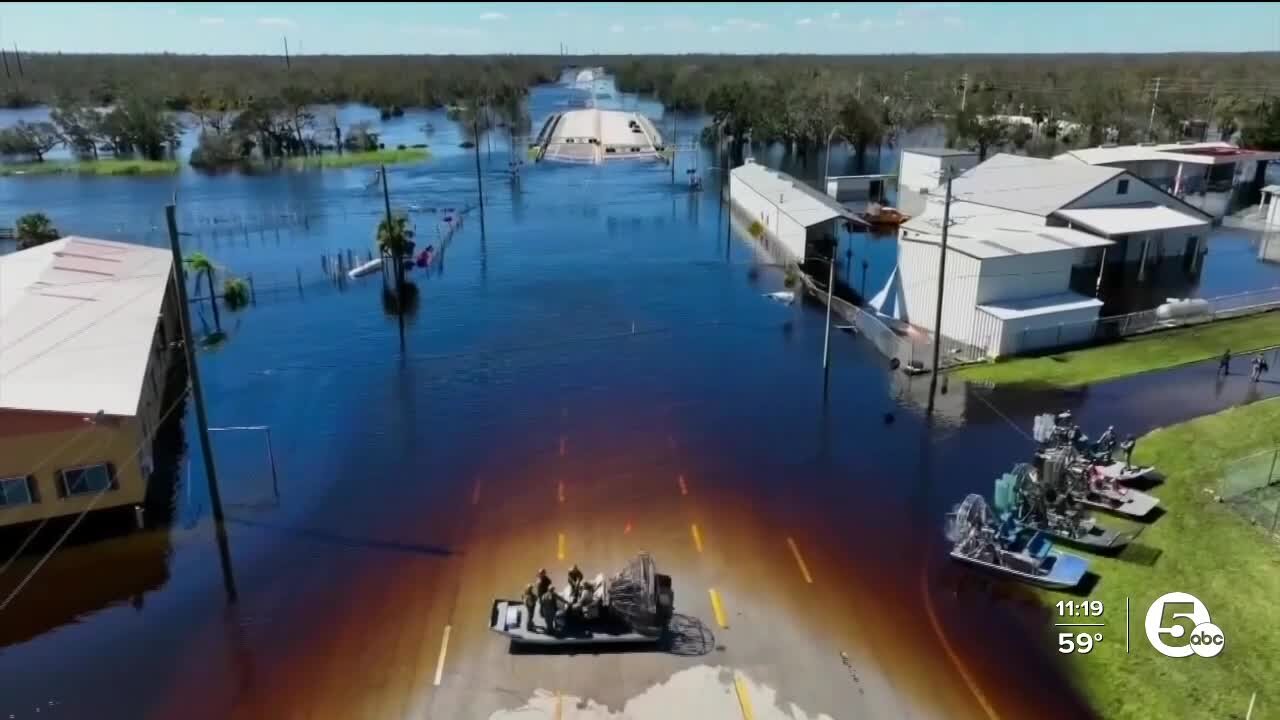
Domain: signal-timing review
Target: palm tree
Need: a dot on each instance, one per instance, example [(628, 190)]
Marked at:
[(35, 229), (200, 264), (395, 239)]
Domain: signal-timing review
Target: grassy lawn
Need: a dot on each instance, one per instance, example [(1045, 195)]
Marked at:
[(356, 159), (1154, 351), (1207, 550), (105, 167)]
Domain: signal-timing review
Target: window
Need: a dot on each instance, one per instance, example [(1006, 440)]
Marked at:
[(87, 480), (17, 491), (1122, 187)]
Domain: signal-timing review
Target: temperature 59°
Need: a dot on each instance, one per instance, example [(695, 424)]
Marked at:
[(1077, 642)]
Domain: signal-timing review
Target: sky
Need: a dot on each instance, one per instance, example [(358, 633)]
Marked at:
[(495, 27)]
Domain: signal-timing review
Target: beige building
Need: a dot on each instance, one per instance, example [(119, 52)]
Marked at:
[(86, 339)]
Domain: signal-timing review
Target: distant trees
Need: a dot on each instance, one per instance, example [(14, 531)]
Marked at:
[(1263, 130), (361, 138), (29, 139), (35, 229)]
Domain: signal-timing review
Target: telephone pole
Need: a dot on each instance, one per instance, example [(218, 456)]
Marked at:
[(831, 282), (964, 90), (1151, 121), (859, 91), (197, 395), (475, 125), (942, 278)]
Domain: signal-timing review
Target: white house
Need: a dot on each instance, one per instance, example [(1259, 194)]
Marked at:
[(1271, 205), (790, 211), (921, 171), (1204, 174), (1027, 243)]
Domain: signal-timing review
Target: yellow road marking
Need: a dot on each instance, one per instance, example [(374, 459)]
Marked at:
[(955, 659), (475, 494), (697, 538), (684, 489), (560, 547), (804, 570), (718, 609), (444, 649), (744, 698), (561, 493)]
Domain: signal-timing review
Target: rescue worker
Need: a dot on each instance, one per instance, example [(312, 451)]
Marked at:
[(1127, 447), (1224, 363), (547, 606), (1106, 442), (543, 582), (530, 602), (575, 580)]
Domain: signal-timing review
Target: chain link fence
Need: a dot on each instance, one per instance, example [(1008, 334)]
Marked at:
[(1251, 486)]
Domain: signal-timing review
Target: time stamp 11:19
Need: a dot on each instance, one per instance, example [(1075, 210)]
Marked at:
[(1177, 625)]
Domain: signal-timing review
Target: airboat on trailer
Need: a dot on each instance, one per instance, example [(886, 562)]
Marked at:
[(1009, 548), (634, 606)]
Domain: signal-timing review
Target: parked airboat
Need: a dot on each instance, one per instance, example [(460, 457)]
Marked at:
[(1021, 495), (1085, 471), (1009, 548), (633, 606)]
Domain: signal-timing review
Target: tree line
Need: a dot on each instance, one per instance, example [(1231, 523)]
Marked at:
[(983, 101)]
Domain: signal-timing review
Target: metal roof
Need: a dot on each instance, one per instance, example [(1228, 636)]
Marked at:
[(1272, 189), (1206, 153), (1124, 220), (985, 232), (1029, 185), (77, 320), (938, 152), (1038, 306), (792, 197)]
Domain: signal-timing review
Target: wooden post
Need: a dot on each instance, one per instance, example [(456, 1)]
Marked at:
[(253, 295)]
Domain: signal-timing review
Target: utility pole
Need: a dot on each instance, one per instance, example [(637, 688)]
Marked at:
[(942, 277), (287, 64), (202, 420), (859, 90), (475, 125), (397, 260), (964, 90), (831, 282), (675, 143), (1151, 121)]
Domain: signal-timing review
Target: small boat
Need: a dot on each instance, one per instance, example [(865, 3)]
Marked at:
[(1124, 473), (1082, 532), (1118, 500), (785, 297), (884, 216), (1020, 495), (365, 268), (1010, 549)]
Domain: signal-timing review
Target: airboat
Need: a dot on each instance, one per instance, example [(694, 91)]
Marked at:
[(1020, 494), (633, 606), (1070, 464), (1061, 431), (1009, 548)]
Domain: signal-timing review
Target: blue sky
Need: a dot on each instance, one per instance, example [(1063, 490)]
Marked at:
[(854, 28)]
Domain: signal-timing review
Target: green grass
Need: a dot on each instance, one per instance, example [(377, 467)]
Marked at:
[(1208, 550), (104, 167), (356, 159), (1154, 351)]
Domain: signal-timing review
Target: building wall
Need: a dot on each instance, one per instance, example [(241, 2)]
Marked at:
[(788, 232), (1107, 195), (42, 449), (918, 267), (1041, 332), (919, 173), (1273, 211), (1026, 276)]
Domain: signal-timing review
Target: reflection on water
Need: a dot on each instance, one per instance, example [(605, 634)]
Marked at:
[(602, 304)]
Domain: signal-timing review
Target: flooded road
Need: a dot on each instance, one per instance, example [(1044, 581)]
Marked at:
[(595, 374)]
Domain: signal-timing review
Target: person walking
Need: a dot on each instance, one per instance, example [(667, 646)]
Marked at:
[(530, 602), (1255, 368), (1224, 363)]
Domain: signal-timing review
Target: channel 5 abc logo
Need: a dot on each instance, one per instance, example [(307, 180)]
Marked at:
[(1178, 625)]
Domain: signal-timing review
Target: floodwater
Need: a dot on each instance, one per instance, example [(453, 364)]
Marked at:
[(606, 330)]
